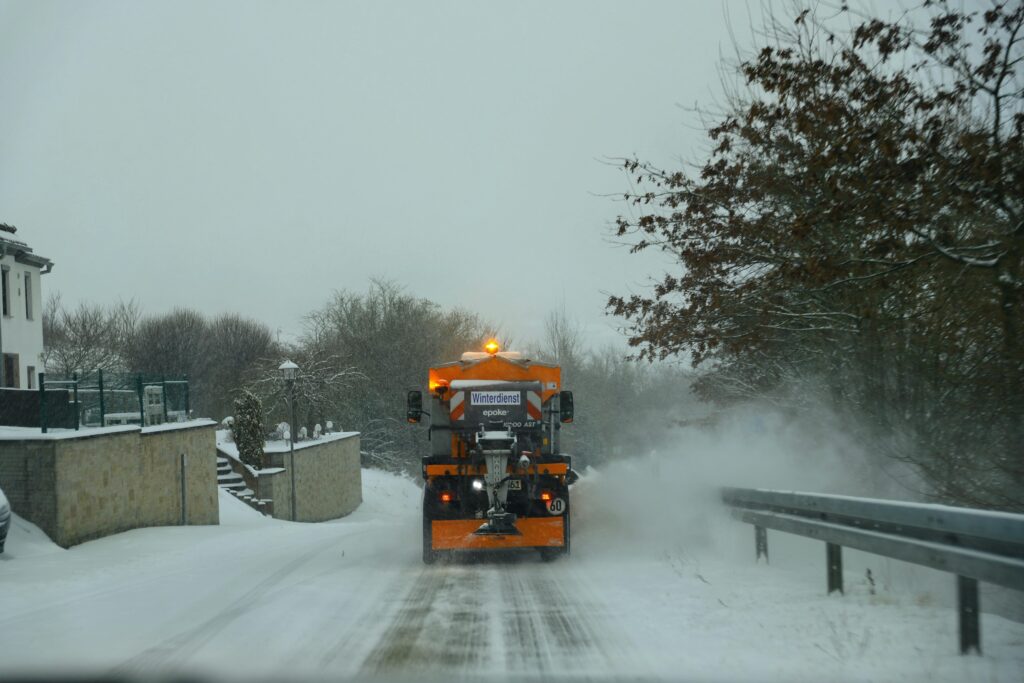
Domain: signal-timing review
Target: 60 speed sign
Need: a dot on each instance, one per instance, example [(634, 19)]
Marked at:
[(556, 506)]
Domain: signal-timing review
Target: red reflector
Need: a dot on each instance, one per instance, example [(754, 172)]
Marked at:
[(446, 497), (545, 496)]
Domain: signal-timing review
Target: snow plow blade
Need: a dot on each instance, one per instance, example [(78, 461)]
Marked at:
[(530, 532)]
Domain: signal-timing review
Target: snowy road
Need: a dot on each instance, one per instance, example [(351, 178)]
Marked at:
[(351, 598), (519, 619), (507, 617)]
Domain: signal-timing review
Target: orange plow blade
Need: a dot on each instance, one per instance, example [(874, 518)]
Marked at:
[(534, 532)]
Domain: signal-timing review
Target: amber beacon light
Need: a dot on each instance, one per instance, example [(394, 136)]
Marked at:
[(492, 347)]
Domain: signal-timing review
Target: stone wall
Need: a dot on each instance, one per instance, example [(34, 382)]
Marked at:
[(202, 504), (328, 479), (101, 484), (83, 485), (28, 478), (278, 487)]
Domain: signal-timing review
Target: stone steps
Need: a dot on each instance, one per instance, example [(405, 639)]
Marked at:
[(231, 481), (227, 478), (234, 483)]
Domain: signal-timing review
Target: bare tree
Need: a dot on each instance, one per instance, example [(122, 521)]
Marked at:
[(390, 337), (237, 346), (322, 389), (88, 337), (563, 339)]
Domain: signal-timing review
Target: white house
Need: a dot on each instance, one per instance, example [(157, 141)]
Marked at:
[(21, 325)]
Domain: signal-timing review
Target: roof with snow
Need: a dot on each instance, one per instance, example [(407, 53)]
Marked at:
[(10, 244)]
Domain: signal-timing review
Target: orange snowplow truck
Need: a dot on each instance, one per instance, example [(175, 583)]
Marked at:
[(495, 478)]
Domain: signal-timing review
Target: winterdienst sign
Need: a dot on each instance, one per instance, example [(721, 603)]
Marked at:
[(496, 398)]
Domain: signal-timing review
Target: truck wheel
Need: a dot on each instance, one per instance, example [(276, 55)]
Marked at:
[(429, 554)]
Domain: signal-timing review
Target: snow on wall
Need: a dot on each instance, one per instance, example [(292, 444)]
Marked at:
[(328, 476)]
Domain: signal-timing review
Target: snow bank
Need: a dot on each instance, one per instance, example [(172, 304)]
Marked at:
[(234, 512), (387, 495), (709, 612), (105, 603), (26, 540)]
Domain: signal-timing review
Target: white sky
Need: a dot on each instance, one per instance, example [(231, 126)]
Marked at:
[(254, 156)]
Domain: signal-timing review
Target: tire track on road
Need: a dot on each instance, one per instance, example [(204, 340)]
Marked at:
[(523, 619), (442, 623), (525, 650), (556, 624), (583, 636)]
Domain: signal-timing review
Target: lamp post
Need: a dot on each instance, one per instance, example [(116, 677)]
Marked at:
[(289, 370)]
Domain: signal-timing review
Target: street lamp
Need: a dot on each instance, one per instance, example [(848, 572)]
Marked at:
[(289, 371)]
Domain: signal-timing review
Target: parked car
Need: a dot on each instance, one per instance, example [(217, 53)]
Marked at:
[(5, 519)]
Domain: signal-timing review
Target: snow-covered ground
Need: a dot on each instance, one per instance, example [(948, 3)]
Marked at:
[(656, 587)]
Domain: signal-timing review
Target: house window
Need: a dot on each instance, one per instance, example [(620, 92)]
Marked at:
[(28, 296), (11, 369), (30, 377), (7, 291)]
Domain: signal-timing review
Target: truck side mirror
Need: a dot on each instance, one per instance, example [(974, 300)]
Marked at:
[(414, 407), (566, 407)]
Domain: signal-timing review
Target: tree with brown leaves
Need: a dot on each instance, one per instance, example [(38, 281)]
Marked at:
[(860, 221)]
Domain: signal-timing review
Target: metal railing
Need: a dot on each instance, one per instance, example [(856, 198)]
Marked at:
[(46, 387), (102, 399), (976, 545)]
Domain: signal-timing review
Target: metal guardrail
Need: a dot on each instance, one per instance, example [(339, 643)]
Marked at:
[(976, 545)]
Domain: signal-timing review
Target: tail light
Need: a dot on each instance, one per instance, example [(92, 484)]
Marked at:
[(546, 496), (446, 496)]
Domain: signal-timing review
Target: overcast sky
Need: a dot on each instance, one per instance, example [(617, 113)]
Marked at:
[(252, 157)]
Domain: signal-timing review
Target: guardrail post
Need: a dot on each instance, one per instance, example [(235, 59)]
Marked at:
[(834, 559), (967, 601), (761, 543)]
